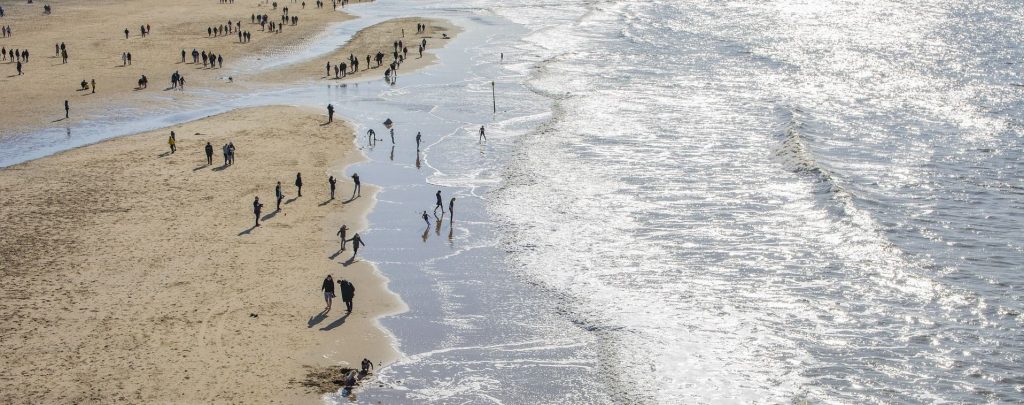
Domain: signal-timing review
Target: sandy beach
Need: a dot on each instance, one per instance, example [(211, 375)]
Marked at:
[(93, 33), (136, 275)]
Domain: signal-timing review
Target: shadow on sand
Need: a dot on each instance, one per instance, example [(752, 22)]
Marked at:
[(338, 322), (316, 319), (247, 231)]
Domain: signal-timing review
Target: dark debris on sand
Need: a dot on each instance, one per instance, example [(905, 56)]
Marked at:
[(325, 380)]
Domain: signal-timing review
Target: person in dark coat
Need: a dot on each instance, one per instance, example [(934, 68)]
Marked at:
[(341, 233), (356, 243), (355, 188), (298, 182), (256, 209), (278, 194), (330, 113), (333, 182), (328, 288), (348, 292), (209, 154), (440, 203)]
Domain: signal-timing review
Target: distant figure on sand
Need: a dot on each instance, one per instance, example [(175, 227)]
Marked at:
[(451, 209), (356, 189), (209, 154), (440, 203), (482, 136), (348, 292), (426, 218), (278, 194), (171, 142), (256, 209), (333, 182), (356, 243), (330, 113), (418, 138), (67, 108), (328, 289), (298, 182), (341, 233)]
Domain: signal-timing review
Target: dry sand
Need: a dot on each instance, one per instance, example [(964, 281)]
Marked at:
[(129, 274), (368, 41), (93, 32)]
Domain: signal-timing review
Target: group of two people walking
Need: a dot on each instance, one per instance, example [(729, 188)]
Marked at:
[(348, 292)]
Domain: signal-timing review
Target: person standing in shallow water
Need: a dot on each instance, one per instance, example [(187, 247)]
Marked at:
[(440, 203), (482, 136), (332, 182), (328, 288), (426, 218), (419, 136), (451, 209), (298, 182)]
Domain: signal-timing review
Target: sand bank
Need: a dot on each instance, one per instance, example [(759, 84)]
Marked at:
[(93, 33), (379, 37), (132, 275)]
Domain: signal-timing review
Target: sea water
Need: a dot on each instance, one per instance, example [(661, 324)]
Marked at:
[(740, 201), (690, 201)]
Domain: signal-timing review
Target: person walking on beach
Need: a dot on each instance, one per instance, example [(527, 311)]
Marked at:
[(348, 292), (440, 203), (126, 33), (209, 154), (256, 209), (451, 209), (426, 218), (279, 195), (418, 138), (333, 182), (356, 243), (328, 289), (298, 182), (341, 233), (93, 85), (171, 141), (18, 66), (330, 113), (482, 136), (231, 153), (356, 189), (224, 150), (67, 109)]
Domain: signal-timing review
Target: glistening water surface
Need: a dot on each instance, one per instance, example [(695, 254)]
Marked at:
[(702, 202)]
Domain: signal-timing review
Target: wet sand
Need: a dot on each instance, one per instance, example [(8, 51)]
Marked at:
[(132, 275), (379, 37), (93, 33)]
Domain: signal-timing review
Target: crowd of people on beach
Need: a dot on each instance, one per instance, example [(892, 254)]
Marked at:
[(399, 53)]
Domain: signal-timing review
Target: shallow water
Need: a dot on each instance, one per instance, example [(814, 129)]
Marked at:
[(691, 202)]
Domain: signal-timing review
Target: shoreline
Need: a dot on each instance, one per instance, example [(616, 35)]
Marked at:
[(148, 303), (96, 46)]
